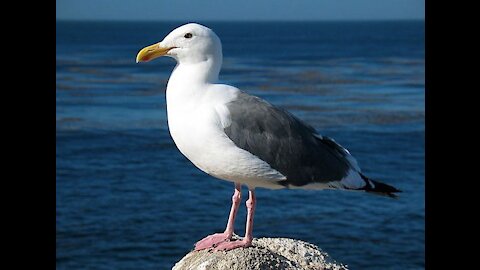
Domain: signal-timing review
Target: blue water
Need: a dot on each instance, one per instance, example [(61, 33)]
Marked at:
[(126, 197)]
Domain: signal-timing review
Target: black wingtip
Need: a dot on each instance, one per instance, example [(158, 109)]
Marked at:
[(379, 188)]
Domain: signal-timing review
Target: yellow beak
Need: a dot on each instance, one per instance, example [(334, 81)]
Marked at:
[(151, 52)]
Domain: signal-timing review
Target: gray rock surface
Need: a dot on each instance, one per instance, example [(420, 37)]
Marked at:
[(266, 253)]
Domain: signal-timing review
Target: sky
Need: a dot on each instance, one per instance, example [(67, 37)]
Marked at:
[(239, 10)]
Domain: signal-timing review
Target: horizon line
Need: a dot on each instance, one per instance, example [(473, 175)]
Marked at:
[(242, 21)]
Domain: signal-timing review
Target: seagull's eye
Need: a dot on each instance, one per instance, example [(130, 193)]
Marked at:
[(188, 35)]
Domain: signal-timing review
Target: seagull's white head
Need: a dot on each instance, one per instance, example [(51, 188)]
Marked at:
[(189, 44)]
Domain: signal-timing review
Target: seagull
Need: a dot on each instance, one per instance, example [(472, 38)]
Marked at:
[(243, 139)]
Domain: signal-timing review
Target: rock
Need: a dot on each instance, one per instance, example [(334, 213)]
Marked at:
[(266, 253)]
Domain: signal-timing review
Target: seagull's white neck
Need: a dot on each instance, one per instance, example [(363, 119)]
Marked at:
[(198, 73), (202, 71), (188, 80)]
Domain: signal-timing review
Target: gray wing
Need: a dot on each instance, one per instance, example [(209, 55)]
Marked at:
[(290, 146)]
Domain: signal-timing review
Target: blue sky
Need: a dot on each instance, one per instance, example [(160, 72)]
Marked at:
[(198, 10)]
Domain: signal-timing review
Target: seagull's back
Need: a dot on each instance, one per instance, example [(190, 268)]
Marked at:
[(286, 143)]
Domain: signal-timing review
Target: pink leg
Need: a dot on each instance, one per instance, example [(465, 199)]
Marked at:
[(214, 239), (247, 240)]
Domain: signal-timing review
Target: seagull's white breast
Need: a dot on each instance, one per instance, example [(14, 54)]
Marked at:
[(196, 119)]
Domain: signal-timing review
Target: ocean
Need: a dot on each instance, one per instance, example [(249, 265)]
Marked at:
[(126, 198)]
